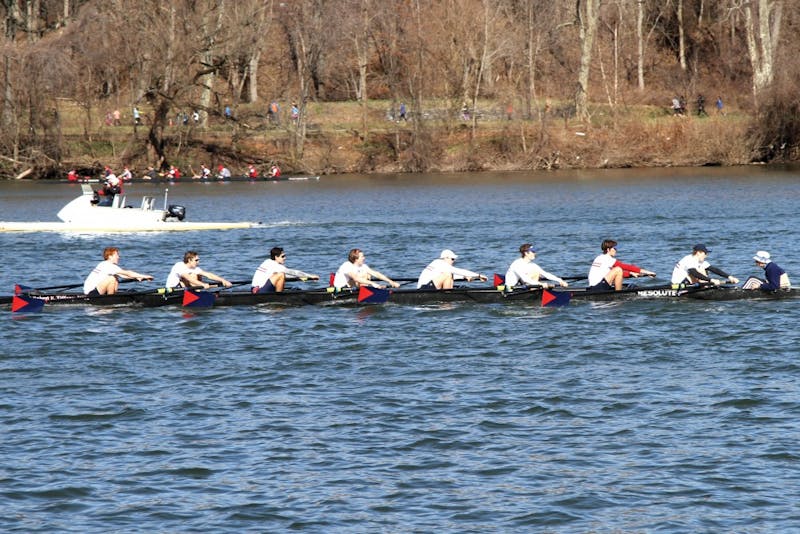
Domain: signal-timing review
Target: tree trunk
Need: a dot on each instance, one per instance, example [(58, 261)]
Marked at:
[(640, 43), (681, 37), (361, 44), (588, 14), (762, 43)]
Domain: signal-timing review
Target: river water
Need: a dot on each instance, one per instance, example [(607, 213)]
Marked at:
[(638, 416)]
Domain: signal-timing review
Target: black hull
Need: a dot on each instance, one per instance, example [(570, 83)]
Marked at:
[(413, 297)]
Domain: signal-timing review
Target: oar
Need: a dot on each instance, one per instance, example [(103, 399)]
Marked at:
[(20, 288), (26, 304)]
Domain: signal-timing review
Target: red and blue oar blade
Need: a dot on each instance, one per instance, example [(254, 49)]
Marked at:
[(555, 298), (19, 289), (372, 295), (25, 304), (198, 299), (499, 280), (331, 278)]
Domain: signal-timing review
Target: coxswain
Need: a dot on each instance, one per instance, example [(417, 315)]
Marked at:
[(356, 273), (187, 273), (775, 275), (607, 272), (111, 187), (270, 277), (523, 271), (694, 269), (275, 171), (440, 273), (103, 280)]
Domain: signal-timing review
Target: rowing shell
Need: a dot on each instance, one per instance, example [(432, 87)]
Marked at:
[(415, 297)]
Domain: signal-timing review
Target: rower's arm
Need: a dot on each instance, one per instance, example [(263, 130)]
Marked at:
[(380, 276), (300, 274), (133, 274), (694, 273)]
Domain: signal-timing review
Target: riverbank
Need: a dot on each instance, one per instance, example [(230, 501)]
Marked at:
[(338, 140)]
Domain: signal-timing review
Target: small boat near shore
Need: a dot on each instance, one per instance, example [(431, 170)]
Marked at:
[(414, 297), (84, 215)]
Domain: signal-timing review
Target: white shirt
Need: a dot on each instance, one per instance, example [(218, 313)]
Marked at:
[(527, 272), (104, 268), (601, 265), (176, 274), (344, 275), (438, 267), (269, 267), (681, 271)]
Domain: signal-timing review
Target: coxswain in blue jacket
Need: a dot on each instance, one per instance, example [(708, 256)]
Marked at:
[(775, 275)]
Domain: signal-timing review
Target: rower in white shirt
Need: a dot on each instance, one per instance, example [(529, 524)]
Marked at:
[(694, 268), (440, 273), (187, 273), (355, 273), (270, 277), (523, 271)]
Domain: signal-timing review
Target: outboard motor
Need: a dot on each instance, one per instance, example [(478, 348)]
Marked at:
[(179, 212)]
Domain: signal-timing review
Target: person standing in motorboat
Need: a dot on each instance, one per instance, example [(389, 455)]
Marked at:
[(104, 279)]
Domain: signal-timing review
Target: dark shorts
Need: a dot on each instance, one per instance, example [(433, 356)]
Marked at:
[(429, 285), (602, 286), (266, 288), (93, 293)]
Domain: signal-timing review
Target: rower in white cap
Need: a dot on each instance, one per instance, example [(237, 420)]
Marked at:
[(439, 273)]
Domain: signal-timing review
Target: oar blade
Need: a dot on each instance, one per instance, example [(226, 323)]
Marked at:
[(25, 304), (19, 289), (555, 298), (372, 295), (499, 280), (198, 299)]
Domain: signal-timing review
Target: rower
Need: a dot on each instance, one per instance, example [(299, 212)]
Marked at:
[(252, 172), (270, 277), (694, 269), (776, 276), (439, 273), (223, 173), (523, 271), (607, 272), (187, 273), (275, 171), (355, 273), (103, 280)]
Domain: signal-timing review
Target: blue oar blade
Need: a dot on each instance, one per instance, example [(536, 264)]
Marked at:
[(555, 298), (23, 304), (499, 280), (198, 299), (372, 295)]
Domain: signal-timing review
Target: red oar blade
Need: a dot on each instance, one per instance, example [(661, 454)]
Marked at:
[(23, 304), (499, 280), (19, 289), (555, 298), (372, 295), (331, 278), (198, 299)]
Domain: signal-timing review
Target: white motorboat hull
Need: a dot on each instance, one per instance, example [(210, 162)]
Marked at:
[(80, 215)]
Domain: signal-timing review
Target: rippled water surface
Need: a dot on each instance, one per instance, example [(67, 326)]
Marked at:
[(637, 416)]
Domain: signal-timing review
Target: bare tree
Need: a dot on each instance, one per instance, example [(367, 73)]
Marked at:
[(588, 14), (762, 40)]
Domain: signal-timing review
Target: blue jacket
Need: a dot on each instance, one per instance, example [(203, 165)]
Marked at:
[(773, 273)]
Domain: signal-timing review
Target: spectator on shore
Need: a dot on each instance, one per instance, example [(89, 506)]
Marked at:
[(701, 105), (137, 118), (295, 112), (117, 116), (402, 116), (719, 106), (273, 112), (676, 106)]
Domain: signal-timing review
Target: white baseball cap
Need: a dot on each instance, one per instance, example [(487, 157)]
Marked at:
[(447, 254)]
